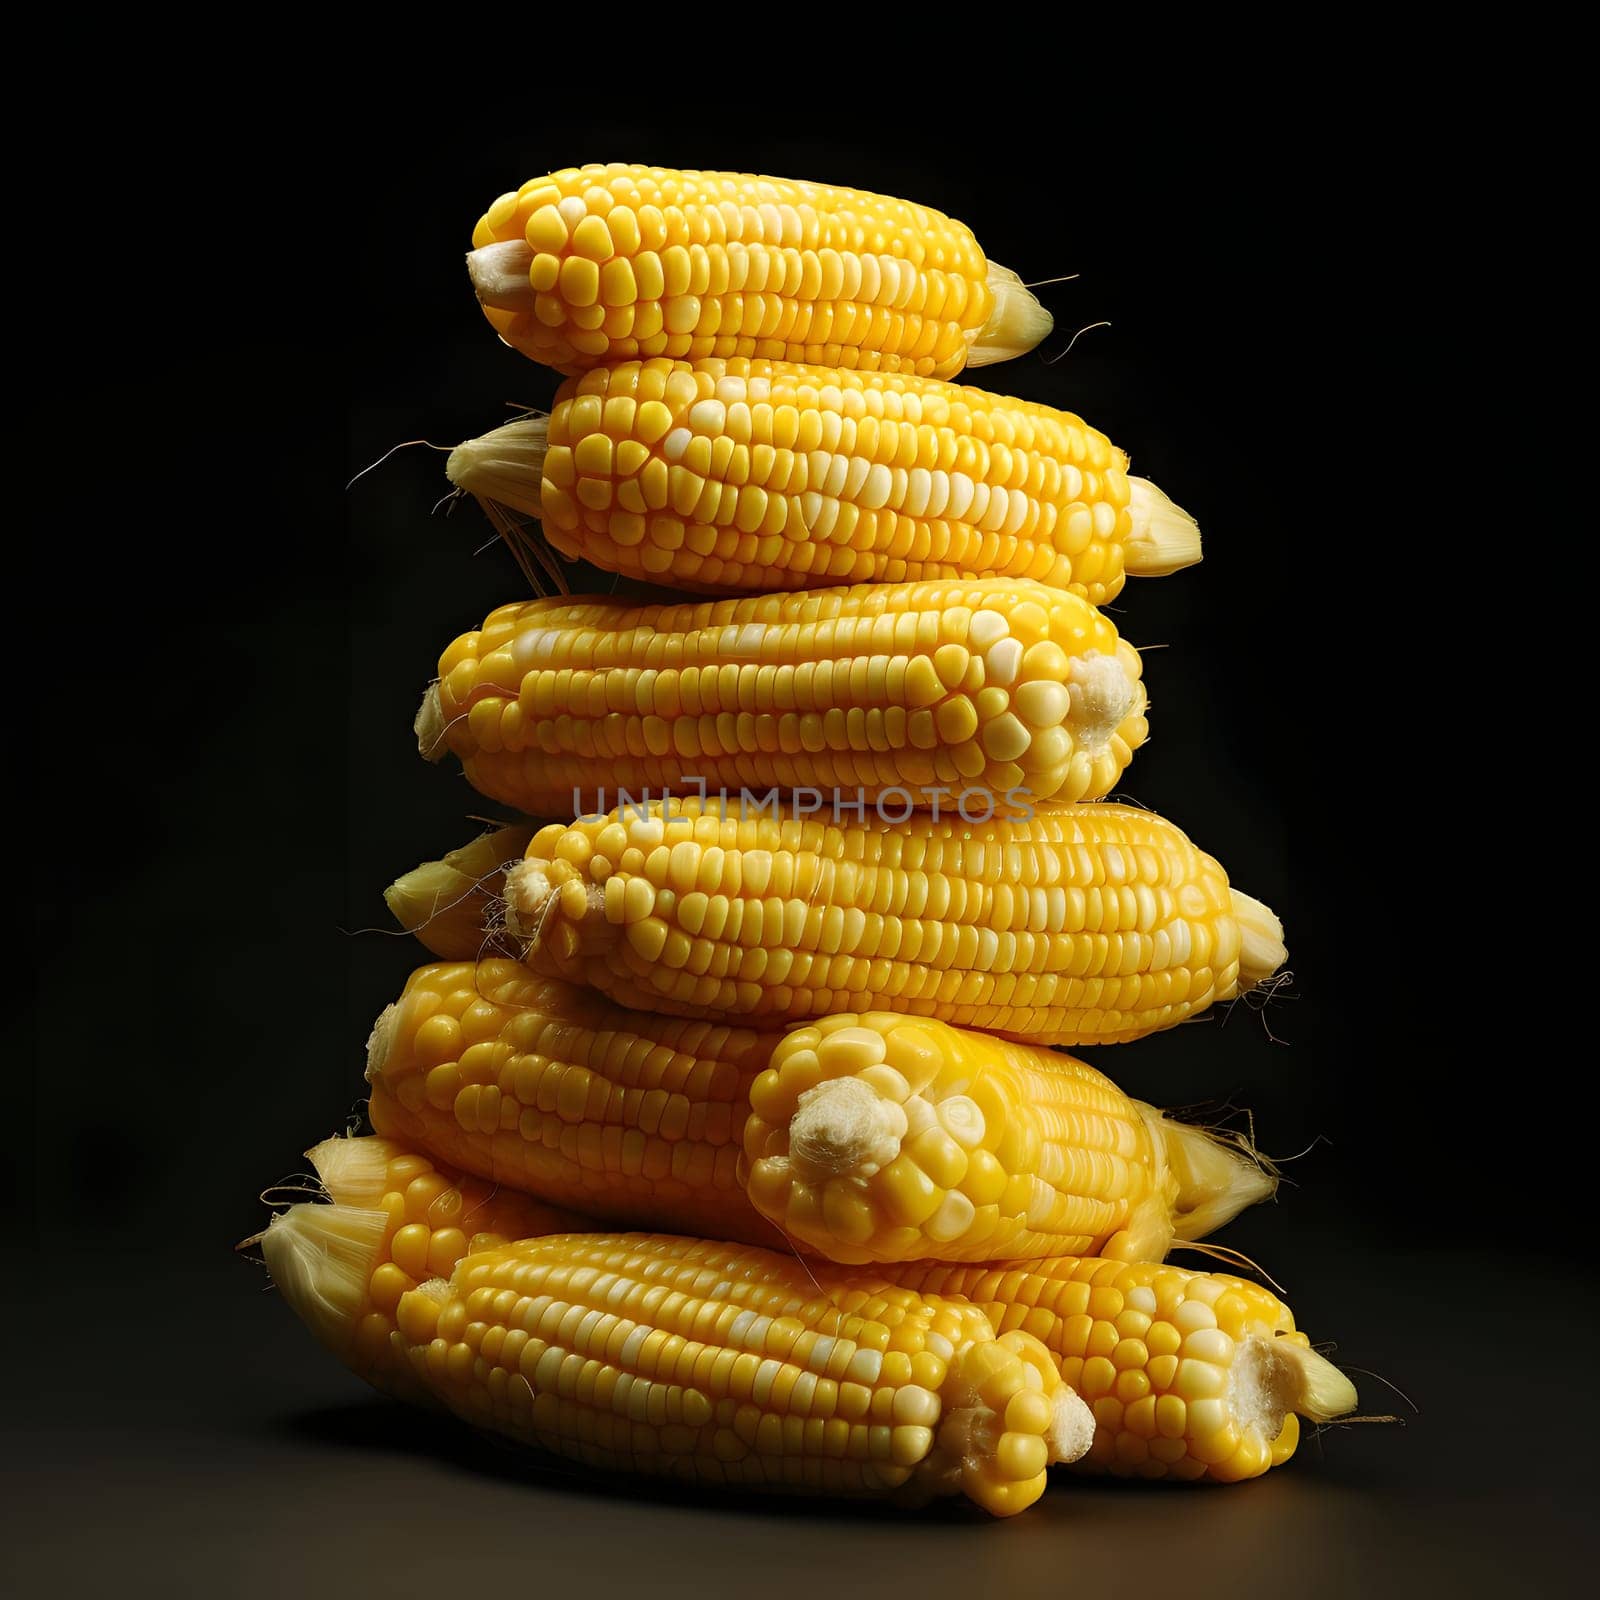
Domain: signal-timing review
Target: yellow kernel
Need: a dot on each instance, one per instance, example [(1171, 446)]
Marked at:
[(388, 1284), (592, 238), (409, 1248), (1022, 1455), (580, 281), (956, 719), (617, 284), (1172, 1416), (546, 231), (418, 1317), (593, 455)]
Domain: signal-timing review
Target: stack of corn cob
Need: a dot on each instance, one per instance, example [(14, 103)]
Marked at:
[(907, 1248)]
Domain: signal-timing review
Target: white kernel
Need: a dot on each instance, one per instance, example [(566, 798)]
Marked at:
[(838, 475), (766, 1376), (1192, 1315), (875, 490), (952, 1219), (996, 512), (1210, 1345), (820, 1352), (961, 492), (919, 487), (987, 627), (675, 443), (962, 1118), (708, 416), (865, 1367), (1002, 661), (632, 1345), (730, 391), (856, 477)]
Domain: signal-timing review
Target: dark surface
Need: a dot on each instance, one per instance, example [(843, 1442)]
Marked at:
[(205, 980)]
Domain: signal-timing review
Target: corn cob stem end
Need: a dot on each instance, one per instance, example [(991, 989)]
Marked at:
[(505, 465), (1216, 1177), (1017, 323), (1274, 1377), (415, 898), (429, 725), (1165, 538), (352, 1169), (499, 274), (321, 1258), (1261, 949), (379, 1042)]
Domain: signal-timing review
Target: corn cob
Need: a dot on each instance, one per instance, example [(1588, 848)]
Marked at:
[(1124, 1332), (886, 1138), (598, 264), (998, 684), (640, 1119), (760, 475), (623, 1115), (712, 1363), (1077, 925), (446, 903), (1190, 1374)]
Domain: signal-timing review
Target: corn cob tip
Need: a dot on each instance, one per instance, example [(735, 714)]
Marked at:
[(429, 725), (534, 890), (1071, 1431), (1017, 323), (321, 1258), (505, 465), (353, 1170), (1261, 950), (499, 274), (1216, 1178), (1165, 538), (1006, 1417), (845, 1126)]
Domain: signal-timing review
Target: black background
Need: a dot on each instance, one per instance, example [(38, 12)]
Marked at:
[(227, 650)]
